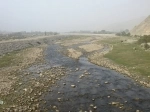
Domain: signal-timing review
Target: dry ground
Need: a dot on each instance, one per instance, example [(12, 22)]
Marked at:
[(19, 60), (91, 47), (74, 53)]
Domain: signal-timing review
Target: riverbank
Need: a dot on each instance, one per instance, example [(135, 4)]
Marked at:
[(127, 57), (22, 87), (123, 55), (15, 57), (16, 61)]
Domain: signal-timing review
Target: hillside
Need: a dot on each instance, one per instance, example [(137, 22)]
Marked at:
[(121, 26), (143, 28)]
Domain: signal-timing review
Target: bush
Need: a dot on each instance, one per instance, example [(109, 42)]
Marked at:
[(146, 46), (144, 39), (123, 33)]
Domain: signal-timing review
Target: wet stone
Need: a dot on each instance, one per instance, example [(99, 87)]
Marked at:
[(95, 107), (73, 86)]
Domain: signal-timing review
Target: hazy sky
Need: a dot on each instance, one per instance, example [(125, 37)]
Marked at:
[(68, 15)]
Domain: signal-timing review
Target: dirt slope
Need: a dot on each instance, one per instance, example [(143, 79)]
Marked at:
[(143, 28)]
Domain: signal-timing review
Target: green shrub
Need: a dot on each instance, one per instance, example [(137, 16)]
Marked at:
[(144, 39), (123, 33), (146, 46)]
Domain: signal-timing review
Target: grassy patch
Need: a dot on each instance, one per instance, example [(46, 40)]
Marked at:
[(8, 59), (137, 61)]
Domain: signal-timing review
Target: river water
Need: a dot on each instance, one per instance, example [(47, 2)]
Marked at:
[(88, 87)]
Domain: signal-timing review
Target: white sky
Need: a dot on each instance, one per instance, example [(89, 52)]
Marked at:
[(68, 15)]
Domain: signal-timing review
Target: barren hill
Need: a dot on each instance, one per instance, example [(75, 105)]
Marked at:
[(143, 28)]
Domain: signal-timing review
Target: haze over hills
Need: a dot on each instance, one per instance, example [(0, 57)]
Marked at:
[(143, 28), (121, 26)]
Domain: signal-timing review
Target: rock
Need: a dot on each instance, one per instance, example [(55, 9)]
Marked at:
[(25, 89), (91, 105), (95, 107), (85, 71), (64, 83), (57, 110), (81, 76), (106, 82), (108, 96), (20, 83), (80, 111), (40, 94), (113, 90), (73, 86), (41, 74), (54, 107), (137, 111), (59, 99), (77, 69), (1, 102), (114, 103), (38, 72)]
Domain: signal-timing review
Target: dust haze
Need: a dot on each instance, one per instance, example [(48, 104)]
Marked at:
[(71, 15)]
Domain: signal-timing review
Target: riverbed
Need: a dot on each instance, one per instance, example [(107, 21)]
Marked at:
[(88, 87)]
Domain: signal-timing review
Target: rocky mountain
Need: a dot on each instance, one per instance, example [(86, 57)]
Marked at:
[(143, 28)]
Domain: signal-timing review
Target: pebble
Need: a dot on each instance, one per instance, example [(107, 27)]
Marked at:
[(95, 107), (25, 89), (106, 82), (41, 74), (93, 99), (125, 101), (1, 102), (54, 107), (91, 105), (86, 73), (77, 69), (73, 86), (113, 90), (59, 99), (81, 76), (64, 83), (114, 103)]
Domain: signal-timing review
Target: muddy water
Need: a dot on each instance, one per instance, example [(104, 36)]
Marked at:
[(98, 89)]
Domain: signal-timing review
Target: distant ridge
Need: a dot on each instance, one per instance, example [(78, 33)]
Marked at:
[(143, 28)]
